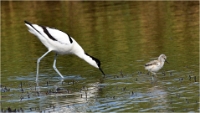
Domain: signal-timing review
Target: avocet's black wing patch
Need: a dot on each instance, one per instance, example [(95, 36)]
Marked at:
[(58, 35), (70, 39), (48, 34)]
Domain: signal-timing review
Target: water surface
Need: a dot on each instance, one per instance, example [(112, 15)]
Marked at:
[(123, 35)]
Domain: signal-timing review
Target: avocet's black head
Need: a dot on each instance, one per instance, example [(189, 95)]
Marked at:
[(98, 63)]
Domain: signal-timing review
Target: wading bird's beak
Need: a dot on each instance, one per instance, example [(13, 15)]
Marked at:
[(166, 61), (102, 71)]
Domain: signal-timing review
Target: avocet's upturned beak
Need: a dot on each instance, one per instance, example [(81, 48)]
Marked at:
[(101, 71)]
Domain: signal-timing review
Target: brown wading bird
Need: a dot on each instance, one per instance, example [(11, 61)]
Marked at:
[(156, 65)]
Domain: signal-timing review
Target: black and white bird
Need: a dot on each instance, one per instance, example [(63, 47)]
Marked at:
[(61, 43)]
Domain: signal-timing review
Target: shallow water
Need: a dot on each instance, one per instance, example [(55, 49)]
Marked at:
[(123, 35)]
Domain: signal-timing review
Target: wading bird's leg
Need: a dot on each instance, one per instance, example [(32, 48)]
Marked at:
[(153, 75), (54, 66), (38, 63)]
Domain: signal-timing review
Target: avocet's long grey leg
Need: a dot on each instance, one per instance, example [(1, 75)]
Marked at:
[(38, 63), (54, 66), (152, 77), (153, 74)]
